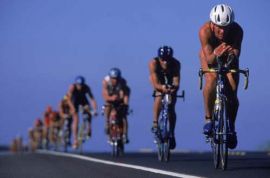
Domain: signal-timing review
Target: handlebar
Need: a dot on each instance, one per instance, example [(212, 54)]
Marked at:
[(245, 72), (177, 96), (129, 110)]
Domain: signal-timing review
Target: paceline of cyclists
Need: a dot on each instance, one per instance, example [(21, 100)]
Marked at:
[(220, 37)]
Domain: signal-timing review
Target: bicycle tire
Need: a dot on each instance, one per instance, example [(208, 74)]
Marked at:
[(81, 137), (160, 151), (120, 148), (114, 149), (66, 139), (223, 137), (167, 137), (112, 135), (166, 151), (215, 141)]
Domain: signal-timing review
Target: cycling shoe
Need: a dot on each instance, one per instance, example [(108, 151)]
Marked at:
[(172, 143), (232, 140), (207, 128)]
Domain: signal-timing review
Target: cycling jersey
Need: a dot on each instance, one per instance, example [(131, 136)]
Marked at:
[(114, 90), (165, 76), (79, 96), (47, 118), (65, 107)]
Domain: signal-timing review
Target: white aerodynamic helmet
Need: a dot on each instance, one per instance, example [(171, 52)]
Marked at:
[(222, 15)]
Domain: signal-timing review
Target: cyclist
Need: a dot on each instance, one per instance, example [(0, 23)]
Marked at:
[(116, 90), (78, 92), (35, 135), (220, 37), (55, 125), (47, 123), (66, 111), (165, 70)]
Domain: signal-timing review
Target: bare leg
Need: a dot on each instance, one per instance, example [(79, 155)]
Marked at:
[(172, 116), (157, 108), (107, 114), (233, 103), (89, 125), (75, 128), (209, 94), (125, 126)]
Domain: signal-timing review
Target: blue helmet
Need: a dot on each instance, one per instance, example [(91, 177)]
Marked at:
[(115, 73), (165, 52), (79, 80)]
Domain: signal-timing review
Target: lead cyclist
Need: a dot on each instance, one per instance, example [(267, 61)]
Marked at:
[(220, 37)]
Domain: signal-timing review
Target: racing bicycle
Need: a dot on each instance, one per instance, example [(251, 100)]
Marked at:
[(115, 129), (221, 123), (163, 134)]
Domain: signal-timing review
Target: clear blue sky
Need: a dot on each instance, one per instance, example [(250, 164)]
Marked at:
[(45, 44)]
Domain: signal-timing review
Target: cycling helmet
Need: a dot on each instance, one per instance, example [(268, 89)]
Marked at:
[(65, 97), (222, 15), (165, 52), (49, 109), (38, 122), (115, 73), (80, 80)]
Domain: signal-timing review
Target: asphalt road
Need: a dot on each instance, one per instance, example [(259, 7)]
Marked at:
[(48, 165)]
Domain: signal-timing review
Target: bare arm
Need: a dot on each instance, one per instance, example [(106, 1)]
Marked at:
[(177, 77), (70, 91), (126, 95), (105, 93), (235, 48), (207, 49), (61, 111), (153, 77), (92, 100)]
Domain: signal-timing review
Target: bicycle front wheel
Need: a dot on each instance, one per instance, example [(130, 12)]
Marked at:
[(223, 137), (166, 150), (81, 137), (160, 151), (215, 150)]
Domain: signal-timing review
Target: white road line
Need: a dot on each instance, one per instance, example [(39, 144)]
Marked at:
[(158, 171)]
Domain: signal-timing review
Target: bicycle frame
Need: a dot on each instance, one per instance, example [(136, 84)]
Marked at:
[(220, 119)]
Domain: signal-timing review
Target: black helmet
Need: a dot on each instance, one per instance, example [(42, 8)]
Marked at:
[(165, 52), (80, 80)]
